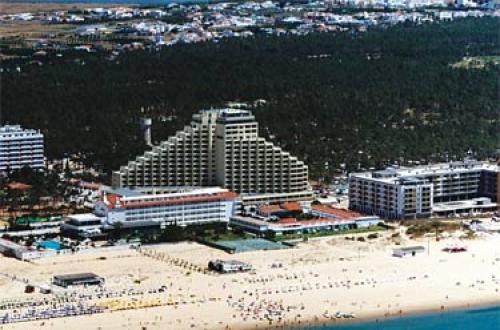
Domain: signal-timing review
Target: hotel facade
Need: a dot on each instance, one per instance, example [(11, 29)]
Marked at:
[(420, 191), (220, 148), (132, 208), (20, 147)]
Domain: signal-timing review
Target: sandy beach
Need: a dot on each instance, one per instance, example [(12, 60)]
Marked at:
[(306, 284)]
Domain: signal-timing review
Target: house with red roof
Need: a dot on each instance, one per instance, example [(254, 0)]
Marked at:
[(270, 210), (261, 226), (291, 206), (14, 185), (329, 212), (280, 210)]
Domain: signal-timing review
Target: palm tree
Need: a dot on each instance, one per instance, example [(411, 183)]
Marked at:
[(436, 225)]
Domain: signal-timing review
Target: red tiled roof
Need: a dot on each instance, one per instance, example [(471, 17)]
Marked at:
[(18, 186), (284, 221), (291, 206), (341, 213), (171, 201), (112, 198), (270, 208)]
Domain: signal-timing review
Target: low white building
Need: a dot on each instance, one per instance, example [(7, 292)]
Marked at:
[(229, 266), (21, 252), (410, 251), (85, 225), (132, 208)]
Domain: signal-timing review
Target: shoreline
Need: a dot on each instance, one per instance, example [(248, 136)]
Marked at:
[(375, 316), (312, 283), (366, 317)]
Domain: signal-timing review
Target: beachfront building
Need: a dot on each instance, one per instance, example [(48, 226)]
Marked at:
[(407, 251), (316, 218), (77, 279), (21, 252), (229, 266), (82, 225), (20, 147), (220, 147), (261, 225), (132, 208), (279, 210), (328, 212), (417, 192)]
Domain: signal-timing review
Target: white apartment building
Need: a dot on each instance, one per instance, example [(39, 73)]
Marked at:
[(20, 147), (414, 192), (136, 209), (220, 148)]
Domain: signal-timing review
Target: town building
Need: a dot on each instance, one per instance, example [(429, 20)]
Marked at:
[(132, 208), (221, 147), (20, 147), (417, 192), (85, 193)]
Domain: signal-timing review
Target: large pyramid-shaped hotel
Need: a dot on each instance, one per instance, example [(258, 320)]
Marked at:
[(220, 148)]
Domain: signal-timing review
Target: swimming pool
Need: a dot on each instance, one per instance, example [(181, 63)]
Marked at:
[(51, 245)]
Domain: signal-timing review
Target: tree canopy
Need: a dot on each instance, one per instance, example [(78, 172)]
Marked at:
[(363, 99)]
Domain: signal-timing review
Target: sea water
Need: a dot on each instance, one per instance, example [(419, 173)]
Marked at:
[(481, 318)]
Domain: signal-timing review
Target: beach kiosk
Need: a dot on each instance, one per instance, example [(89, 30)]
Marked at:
[(77, 279), (229, 266), (409, 251)]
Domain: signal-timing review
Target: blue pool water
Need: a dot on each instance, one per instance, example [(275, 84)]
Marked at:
[(52, 245), (483, 318)]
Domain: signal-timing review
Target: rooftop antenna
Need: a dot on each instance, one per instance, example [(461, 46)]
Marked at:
[(469, 155), (146, 124)]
